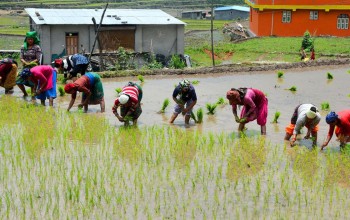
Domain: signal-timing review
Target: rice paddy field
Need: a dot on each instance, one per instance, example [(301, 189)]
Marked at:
[(59, 165)]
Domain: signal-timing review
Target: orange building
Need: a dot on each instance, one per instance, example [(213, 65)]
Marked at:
[(294, 17)]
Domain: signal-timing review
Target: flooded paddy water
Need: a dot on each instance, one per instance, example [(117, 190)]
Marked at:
[(87, 167), (312, 87)]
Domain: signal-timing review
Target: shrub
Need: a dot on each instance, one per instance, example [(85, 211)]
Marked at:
[(176, 62)]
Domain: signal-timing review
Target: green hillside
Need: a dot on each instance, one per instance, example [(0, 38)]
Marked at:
[(171, 4)]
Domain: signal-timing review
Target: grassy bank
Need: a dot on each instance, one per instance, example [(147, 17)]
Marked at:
[(198, 44), (59, 165)]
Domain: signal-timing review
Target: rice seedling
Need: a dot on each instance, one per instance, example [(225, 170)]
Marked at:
[(166, 103), (329, 75), (118, 90), (80, 166), (29, 91), (280, 74), (61, 90), (275, 118), (293, 89), (141, 78), (198, 117), (349, 71), (211, 108), (199, 114), (195, 82), (325, 106), (220, 101)]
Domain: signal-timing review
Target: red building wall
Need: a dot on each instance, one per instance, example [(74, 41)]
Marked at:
[(269, 23), (301, 2), (266, 17)]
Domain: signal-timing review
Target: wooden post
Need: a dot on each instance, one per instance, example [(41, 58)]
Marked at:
[(97, 31)]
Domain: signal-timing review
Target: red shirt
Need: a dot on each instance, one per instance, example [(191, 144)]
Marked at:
[(133, 102), (344, 125), (82, 85)]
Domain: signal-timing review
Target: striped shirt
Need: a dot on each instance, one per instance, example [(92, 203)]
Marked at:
[(133, 93)]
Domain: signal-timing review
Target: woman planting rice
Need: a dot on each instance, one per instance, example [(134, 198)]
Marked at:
[(254, 104), (91, 86), (44, 81)]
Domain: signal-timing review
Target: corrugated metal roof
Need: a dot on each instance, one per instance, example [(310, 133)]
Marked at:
[(112, 16), (238, 8)]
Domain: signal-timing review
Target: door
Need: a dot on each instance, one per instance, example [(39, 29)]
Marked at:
[(72, 43)]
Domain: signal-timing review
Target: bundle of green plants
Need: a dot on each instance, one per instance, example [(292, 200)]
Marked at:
[(220, 101), (141, 78), (349, 71), (195, 82), (198, 117), (280, 74), (118, 90), (29, 91), (211, 108), (293, 89), (166, 103), (176, 62), (199, 114), (329, 75), (277, 115), (307, 42), (61, 90), (325, 106)]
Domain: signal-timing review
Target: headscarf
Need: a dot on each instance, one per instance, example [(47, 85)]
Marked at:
[(233, 96), (25, 73), (31, 34), (58, 63), (331, 117), (69, 87)]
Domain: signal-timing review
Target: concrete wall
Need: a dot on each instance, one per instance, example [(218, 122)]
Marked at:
[(162, 39), (231, 15), (159, 39)]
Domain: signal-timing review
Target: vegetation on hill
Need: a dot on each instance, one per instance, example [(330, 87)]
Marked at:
[(173, 4)]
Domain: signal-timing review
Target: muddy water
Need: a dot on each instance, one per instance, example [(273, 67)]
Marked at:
[(312, 87)]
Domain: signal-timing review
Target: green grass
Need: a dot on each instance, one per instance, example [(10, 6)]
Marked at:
[(62, 166), (282, 49)]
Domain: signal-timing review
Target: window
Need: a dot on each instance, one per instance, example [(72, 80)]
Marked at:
[(313, 15), (286, 16), (343, 21)]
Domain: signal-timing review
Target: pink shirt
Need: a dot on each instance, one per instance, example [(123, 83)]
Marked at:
[(42, 75)]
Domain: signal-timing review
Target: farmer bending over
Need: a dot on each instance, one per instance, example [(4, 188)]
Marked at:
[(130, 104), (184, 95), (340, 124), (254, 104), (304, 115), (91, 86)]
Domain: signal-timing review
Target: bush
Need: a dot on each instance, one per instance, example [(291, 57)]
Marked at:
[(176, 62)]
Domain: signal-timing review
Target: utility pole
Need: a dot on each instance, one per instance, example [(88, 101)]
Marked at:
[(211, 31)]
